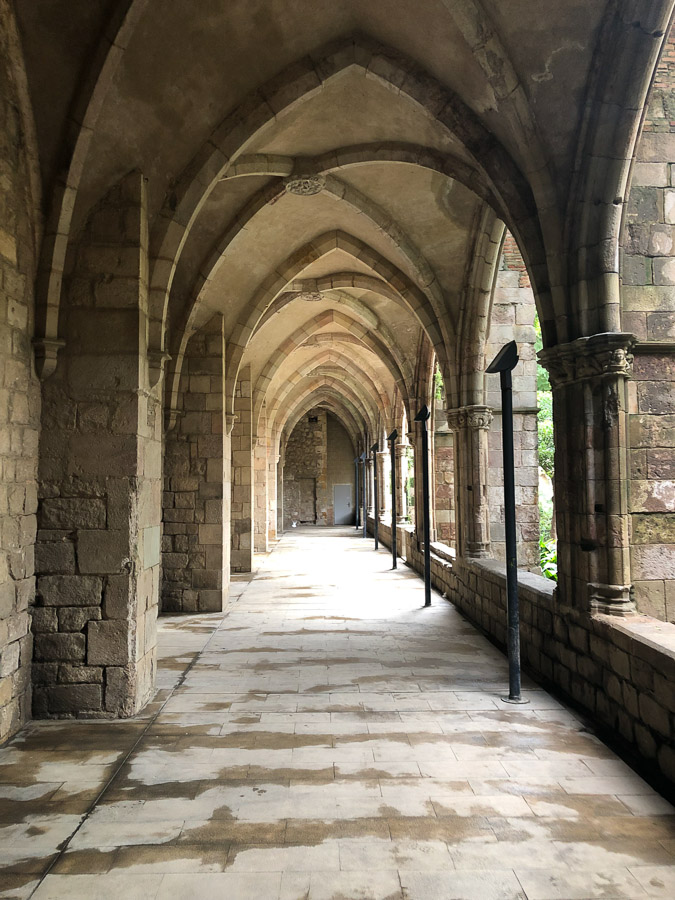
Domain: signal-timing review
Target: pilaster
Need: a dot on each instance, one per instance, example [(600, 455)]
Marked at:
[(470, 425), (588, 377)]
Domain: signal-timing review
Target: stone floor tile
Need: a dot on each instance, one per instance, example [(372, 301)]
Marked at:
[(584, 885), (243, 886), (657, 881), (461, 885), (131, 886)]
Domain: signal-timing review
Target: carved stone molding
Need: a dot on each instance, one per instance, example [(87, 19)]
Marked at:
[(305, 185), (597, 356), (310, 296), (46, 351), (470, 417)]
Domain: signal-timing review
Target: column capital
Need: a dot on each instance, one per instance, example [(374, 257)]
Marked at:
[(476, 416), (592, 357)]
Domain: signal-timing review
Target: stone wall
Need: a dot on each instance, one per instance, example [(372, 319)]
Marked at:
[(193, 579), (260, 474), (99, 518), (19, 413), (444, 486), (648, 311), (512, 318), (320, 450)]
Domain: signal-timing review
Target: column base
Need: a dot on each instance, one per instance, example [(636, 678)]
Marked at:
[(611, 599), (477, 550)]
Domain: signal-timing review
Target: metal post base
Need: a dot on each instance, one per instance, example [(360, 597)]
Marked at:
[(519, 702)]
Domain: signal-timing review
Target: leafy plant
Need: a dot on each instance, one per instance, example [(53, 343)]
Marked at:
[(438, 383), (548, 555)]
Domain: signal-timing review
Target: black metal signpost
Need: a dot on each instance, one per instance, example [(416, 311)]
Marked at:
[(423, 418), (392, 440), (376, 497), (357, 506), (504, 363), (364, 498)]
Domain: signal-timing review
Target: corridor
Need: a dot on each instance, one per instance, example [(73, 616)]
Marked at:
[(326, 737)]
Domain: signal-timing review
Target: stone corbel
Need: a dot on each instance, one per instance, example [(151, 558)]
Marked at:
[(171, 416), (230, 419), (157, 359), (46, 352)]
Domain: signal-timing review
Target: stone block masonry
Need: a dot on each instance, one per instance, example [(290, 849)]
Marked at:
[(193, 575), (98, 543), (19, 412)]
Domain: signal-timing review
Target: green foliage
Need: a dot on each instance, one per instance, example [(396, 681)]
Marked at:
[(410, 495), (548, 555), (545, 518), (545, 429), (438, 383)]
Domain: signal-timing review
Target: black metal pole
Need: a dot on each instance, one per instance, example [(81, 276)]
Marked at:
[(423, 418), (376, 511), (364, 498), (357, 506), (394, 555), (504, 363)]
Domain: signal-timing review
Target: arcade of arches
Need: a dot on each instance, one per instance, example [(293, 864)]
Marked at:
[(241, 244)]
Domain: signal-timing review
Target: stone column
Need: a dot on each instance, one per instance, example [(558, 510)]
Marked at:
[(401, 451), (242, 477), (588, 378), (98, 552), (470, 425), (280, 492), (370, 486), (260, 490), (384, 495), (193, 535), (272, 463)]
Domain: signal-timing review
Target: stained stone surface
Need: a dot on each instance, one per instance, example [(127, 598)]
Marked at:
[(327, 737)]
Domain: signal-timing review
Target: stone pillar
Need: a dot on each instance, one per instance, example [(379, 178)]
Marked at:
[(383, 494), (280, 492), (470, 425), (260, 488), (242, 476), (588, 378), (98, 556), (272, 463), (401, 451), (370, 485), (194, 474)]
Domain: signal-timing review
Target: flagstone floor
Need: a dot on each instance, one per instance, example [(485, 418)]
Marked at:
[(325, 738)]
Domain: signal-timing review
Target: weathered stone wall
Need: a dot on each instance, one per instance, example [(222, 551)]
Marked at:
[(512, 318), (307, 457), (444, 487), (242, 477), (192, 540), (320, 450), (98, 550), (648, 311), (19, 413)]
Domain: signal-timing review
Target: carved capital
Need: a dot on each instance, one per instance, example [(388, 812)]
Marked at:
[(597, 356), (46, 351), (156, 362), (476, 417)]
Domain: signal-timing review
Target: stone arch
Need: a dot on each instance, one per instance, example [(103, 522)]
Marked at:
[(298, 83), (299, 337)]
